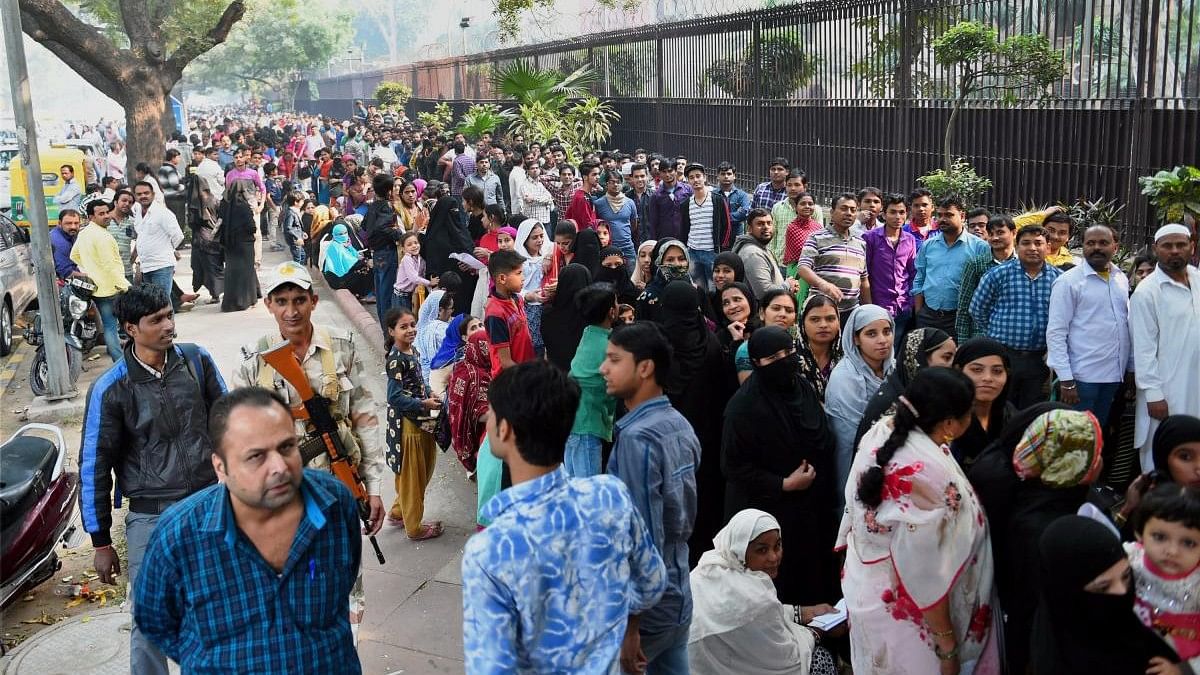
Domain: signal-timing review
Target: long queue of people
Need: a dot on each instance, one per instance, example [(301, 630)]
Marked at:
[(870, 378)]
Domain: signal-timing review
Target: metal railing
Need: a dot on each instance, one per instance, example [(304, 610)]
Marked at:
[(849, 91)]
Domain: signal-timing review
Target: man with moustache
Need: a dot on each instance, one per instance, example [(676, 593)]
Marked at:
[(1164, 315), (269, 524), (940, 264), (333, 367)]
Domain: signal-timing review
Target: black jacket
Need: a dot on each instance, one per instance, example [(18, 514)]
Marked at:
[(151, 432), (722, 232), (379, 226)]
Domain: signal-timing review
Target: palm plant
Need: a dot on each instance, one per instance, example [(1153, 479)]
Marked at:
[(590, 121), (527, 84), (482, 118)]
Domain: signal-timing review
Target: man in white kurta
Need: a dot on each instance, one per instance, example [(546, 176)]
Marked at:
[(1164, 322)]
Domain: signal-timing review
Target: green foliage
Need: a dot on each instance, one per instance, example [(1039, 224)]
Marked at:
[(526, 83), (304, 37), (881, 68), (392, 95), (439, 119), (480, 119), (509, 12), (1174, 193), (1019, 63), (624, 75), (175, 20), (783, 68), (589, 122), (960, 180)]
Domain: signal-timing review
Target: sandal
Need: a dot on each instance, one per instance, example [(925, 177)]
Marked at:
[(394, 521), (429, 531)]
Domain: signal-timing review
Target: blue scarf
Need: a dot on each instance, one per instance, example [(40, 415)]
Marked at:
[(340, 256), (453, 347)]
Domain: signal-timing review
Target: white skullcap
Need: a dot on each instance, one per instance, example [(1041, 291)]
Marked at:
[(1173, 228)]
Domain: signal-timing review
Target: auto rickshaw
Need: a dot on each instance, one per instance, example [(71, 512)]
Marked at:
[(53, 158)]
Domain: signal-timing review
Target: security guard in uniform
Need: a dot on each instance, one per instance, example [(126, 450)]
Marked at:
[(327, 356)]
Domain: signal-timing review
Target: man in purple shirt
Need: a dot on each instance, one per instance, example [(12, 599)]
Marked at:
[(242, 171), (663, 216), (462, 166), (62, 240), (892, 263)]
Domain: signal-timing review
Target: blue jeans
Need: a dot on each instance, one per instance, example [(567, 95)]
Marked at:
[(904, 323), (112, 327), (144, 657), (700, 265), (582, 456), (386, 264), (666, 652), (1097, 397), (161, 277)]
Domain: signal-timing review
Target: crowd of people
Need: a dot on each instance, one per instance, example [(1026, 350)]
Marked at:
[(654, 383)]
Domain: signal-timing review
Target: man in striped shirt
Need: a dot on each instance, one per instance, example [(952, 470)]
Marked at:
[(834, 260)]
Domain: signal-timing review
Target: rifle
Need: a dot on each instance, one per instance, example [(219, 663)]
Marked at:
[(317, 411)]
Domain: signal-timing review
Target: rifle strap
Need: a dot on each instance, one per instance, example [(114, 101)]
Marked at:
[(268, 378)]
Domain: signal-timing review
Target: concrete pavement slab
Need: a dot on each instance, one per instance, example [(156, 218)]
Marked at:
[(380, 658), (430, 622)]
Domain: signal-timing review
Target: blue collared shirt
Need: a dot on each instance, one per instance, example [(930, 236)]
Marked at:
[(656, 453), (548, 587), (739, 209), (940, 268), (210, 602), (61, 245), (766, 196), (1012, 308)]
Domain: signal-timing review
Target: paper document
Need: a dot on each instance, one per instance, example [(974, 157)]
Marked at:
[(468, 260), (827, 622)]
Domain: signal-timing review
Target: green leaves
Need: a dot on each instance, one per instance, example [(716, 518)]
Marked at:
[(960, 180), (782, 69), (392, 95), (439, 119), (1173, 193), (526, 83), (482, 118), (983, 62)]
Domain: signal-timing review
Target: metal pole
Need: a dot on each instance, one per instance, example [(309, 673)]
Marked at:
[(59, 383)]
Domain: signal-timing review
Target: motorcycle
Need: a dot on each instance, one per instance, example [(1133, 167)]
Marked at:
[(37, 508), (81, 328)]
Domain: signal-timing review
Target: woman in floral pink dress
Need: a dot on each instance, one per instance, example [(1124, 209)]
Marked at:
[(918, 576)]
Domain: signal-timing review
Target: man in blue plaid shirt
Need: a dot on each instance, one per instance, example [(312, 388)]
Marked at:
[(1012, 306), (252, 574)]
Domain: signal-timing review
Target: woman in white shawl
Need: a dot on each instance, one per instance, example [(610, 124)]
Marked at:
[(534, 244), (866, 361), (432, 320), (739, 627)]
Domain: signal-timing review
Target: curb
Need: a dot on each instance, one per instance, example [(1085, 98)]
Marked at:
[(364, 320)]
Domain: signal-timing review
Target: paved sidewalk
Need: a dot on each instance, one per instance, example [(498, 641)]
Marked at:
[(413, 620)]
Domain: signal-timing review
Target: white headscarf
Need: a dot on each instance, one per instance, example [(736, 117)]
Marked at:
[(727, 597), (524, 230)]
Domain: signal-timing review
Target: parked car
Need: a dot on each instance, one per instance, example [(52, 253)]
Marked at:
[(18, 288)]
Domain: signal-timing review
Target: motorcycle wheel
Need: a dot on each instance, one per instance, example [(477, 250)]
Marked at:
[(39, 370)]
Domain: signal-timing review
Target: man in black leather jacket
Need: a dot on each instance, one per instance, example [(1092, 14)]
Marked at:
[(146, 421)]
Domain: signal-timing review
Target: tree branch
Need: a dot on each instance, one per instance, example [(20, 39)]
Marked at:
[(51, 24), (142, 34), (193, 47)]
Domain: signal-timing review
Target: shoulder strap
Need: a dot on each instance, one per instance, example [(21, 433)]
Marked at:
[(191, 360)]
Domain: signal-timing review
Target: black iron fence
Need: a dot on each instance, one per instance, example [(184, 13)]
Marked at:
[(849, 91)]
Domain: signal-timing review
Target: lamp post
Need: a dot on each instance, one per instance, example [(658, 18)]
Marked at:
[(464, 24)]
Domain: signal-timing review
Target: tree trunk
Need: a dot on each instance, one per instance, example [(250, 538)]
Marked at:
[(144, 110)]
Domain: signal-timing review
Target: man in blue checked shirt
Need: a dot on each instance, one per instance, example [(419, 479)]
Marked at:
[(1012, 306), (252, 574), (548, 587)]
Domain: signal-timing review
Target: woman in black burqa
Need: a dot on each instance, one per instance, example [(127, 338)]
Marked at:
[(562, 324), (775, 431), (238, 229), (699, 388)]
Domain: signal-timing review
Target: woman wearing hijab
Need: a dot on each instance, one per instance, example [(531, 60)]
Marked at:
[(777, 455), (739, 627), (562, 325), (820, 341), (448, 353), (585, 250), (343, 265), (467, 397), (922, 348), (985, 361), (671, 263), (613, 270), (867, 359), (1175, 448), (643, 272), (432, 319), (317, 227), (918, 572), (727, 268), (1085, 622), (739, 319), (1036, 472), (445, 235), (238, 231), (533, 244), (698, 387)]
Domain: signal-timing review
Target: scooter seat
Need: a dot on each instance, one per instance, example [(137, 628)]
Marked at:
[(26, 463)]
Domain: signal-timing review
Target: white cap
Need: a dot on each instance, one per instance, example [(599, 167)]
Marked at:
[(287, 273), (1173, 228)]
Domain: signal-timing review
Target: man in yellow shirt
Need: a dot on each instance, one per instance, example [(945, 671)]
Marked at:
[(96, 253)]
